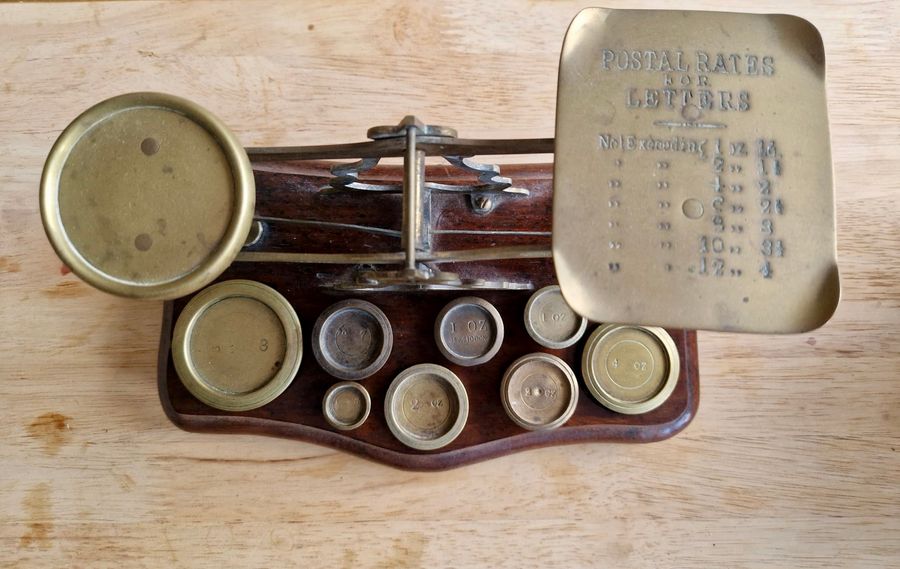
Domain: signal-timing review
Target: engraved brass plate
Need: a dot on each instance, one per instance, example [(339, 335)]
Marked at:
[(147, 195), (693, 177)]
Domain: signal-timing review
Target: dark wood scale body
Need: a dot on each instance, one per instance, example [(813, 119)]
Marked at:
[(292, 191)]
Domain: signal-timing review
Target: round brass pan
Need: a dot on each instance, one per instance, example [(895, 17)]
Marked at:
[(237, 345), (147, 195)]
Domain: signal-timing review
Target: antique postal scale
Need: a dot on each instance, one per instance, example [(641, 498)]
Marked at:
[(440, 312)]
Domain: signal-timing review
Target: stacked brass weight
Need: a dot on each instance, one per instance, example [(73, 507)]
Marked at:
[(352, 339), (539, 392), (426, 407), (237, 345), (551, 322), (469, 331), (630, 369), (346, 405)]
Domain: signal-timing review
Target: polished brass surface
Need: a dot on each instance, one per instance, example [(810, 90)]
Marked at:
[(550, 321), (352, 339), (453, 256), (346, 405), (147, 195), (237, 345), (426, 407), (394, 147), (469, 331), (693, 178), (422, 279), (413, 199), (409, 122), (539, 392), (630, 369)]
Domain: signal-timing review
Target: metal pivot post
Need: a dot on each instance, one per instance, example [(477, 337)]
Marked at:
[(414, 202), (413, 141)]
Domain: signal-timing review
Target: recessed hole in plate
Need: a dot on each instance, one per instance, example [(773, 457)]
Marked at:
[(692, 208)]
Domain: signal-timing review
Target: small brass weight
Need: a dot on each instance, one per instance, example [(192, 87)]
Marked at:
[(449, 312)]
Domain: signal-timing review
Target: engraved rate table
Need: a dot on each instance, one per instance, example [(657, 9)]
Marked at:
[(792, 460)]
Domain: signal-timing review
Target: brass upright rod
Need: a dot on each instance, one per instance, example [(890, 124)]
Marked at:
[(431, 145), (412, 196), (397, 257)]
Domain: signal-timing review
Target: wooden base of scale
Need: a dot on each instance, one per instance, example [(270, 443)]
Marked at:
[(288, 190)]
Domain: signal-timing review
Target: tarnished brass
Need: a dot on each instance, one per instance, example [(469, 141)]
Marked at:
[(469, 331), (237, 345), (630, 369), (352, 339), (693, 179), (692, 183), (453, 256), (539, 392), (550, 321), (147, 195), (426, 407), (346, 405)]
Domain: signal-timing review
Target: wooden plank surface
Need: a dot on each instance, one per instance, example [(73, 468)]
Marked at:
[(792, 461)]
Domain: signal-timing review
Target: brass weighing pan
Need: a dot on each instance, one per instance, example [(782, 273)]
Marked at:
[(147, 195)]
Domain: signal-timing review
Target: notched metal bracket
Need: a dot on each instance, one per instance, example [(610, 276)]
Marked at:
[(481, 194)]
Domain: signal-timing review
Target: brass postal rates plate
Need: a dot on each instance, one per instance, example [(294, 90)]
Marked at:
[(693, 179)]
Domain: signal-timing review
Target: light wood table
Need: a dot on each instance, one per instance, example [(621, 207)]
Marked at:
[(793, 460)]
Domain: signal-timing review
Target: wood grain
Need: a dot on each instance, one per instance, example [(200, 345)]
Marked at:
[(297, 413), (791, 462)]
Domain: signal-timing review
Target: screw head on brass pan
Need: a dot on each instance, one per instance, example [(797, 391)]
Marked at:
[(237, 345), (550, 321), (630, 369), (346, 405), (469, 331), (539, 392), (426, 407), (352, 339), (147, 195)]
